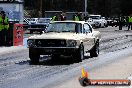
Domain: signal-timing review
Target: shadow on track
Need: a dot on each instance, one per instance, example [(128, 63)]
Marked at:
[(56, 61), (48, 61)]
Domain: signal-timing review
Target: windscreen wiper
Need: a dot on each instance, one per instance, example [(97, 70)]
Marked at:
[(66, 31)]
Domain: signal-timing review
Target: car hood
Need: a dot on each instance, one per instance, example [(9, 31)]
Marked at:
[(53, 35)]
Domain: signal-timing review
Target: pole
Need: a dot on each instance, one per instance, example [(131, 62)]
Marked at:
[(41, 8), (85, 7)]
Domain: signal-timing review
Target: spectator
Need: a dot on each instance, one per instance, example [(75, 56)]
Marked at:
[(130, 22), (1, 29), (75, 17), (62, 17), (120, 22), (86, 18), (79, 16), (5, 28), (55, 17)]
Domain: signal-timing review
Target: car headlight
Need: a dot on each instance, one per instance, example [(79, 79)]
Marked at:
[(30, 43), (71, 43)]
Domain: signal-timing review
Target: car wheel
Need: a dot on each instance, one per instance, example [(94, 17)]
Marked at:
[(95, 51), (41, 32), (99, 25), (79, 54), (106, 25), (34, 58)]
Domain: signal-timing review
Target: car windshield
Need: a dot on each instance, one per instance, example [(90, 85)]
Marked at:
[(64, 27)]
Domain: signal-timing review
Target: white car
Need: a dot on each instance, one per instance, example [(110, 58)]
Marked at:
[(91, 22), (99, 22), (39, 25), (68, 38), (33, 20)]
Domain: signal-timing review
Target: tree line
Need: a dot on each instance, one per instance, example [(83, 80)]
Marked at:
[(104, 7)]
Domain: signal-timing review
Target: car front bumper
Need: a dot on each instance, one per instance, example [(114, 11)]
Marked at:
[(54, 50)]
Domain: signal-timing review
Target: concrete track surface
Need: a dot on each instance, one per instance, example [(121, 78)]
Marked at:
[(114, 62)]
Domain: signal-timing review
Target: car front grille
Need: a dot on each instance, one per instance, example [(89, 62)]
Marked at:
[(50, 43)]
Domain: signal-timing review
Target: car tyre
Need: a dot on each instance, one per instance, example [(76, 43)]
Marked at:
[(99, 25), (95, 50), (106, 25), (34, 58), (41, 32), (79, 54)]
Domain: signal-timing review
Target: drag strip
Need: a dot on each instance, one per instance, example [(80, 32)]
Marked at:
[(17, 72)]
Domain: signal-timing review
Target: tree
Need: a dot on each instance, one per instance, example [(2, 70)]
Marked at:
[(103, 7)]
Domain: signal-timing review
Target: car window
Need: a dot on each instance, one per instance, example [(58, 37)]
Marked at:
[(69, 27), (64, 27), (87, 28)]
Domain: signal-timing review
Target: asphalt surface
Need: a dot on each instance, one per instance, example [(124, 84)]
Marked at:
[(17, 72)]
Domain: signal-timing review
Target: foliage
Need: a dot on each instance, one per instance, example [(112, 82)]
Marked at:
[(103, 7)]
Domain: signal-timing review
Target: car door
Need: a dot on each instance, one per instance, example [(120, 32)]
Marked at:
[(89, 39)]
